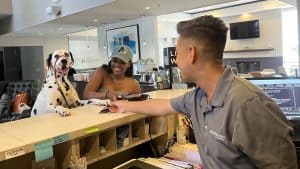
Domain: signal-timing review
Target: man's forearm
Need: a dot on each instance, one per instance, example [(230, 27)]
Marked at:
[(154, 107)]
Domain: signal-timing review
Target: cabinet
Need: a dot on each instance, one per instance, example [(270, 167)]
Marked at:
[(11, 66), (21, 63)]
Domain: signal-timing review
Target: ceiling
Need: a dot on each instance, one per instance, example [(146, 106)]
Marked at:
[(248, 8), (121, 10), (116, 11)]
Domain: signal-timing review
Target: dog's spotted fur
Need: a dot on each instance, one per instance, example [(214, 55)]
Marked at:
[(57, 94)]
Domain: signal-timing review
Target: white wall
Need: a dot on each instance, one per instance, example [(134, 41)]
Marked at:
[(270, 35), (147, 33), (49, 44), (85, 52), (84, 46), (167, 31)]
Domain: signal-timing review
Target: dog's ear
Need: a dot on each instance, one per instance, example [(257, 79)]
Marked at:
[(49, 60), (71, 57)]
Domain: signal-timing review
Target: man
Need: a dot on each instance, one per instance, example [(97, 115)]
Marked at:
[(235, 124)]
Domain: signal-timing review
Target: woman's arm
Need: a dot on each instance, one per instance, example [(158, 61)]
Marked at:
[(91, 89)]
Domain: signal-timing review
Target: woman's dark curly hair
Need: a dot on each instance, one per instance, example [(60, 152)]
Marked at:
[(128, 73)]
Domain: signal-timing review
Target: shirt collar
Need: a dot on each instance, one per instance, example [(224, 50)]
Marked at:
[(223, 86)]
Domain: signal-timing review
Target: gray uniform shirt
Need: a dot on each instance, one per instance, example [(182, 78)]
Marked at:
[(240, 128)]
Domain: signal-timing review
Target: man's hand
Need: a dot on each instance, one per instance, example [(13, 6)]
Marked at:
[(118, 106)]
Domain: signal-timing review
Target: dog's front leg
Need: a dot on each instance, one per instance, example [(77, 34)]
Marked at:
[(62, 111), (95, 102), (59, 110), (55, 103)]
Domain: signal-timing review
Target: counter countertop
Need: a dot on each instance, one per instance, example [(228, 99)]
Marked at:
[(25, 133)]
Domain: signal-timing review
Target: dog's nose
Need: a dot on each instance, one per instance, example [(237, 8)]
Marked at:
[(64, 61)]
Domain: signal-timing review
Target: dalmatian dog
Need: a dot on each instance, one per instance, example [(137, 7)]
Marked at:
[(57, 94)]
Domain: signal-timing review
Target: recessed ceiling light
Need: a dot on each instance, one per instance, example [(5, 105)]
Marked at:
[(147, 7), (245, 15), (95, 20)]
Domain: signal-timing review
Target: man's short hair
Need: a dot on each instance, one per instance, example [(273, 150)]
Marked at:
[(209, 31)]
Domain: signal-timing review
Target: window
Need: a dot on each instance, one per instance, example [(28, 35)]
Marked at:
[(84, 47), (290, 41)]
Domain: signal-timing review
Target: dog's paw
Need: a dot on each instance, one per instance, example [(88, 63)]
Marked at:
[(63, 112), (99, 102)]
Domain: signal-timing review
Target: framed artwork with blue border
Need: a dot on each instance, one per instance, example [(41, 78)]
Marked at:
[(128, 35)]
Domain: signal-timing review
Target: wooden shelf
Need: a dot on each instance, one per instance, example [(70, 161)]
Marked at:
[(134, 144), (249, 50)]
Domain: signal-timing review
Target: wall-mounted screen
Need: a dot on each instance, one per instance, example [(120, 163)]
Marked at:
[(244, 30)]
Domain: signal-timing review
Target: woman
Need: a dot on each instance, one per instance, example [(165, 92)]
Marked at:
[(114, 80)]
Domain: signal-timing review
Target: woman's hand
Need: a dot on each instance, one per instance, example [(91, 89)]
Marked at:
[(111, 95)]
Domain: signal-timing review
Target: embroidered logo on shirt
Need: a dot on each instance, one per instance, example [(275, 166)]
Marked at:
[(217, 135)]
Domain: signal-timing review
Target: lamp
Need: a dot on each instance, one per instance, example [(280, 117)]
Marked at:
[(53, 10)]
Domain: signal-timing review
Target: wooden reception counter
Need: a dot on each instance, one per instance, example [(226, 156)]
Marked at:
[(86, 133)]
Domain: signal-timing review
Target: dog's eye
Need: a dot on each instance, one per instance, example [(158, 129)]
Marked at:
[(56, 56), (67, 55)]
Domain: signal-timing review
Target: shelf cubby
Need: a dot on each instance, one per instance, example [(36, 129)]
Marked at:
[(89, 146), (123, 136), (157, 124), (138, 130), (62, 153), (20, 162), (147, 126), (107, 142)]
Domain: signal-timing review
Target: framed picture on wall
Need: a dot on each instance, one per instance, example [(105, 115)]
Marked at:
[(128, 35)]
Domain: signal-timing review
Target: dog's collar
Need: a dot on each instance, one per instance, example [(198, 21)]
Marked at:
[(60, 90)]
